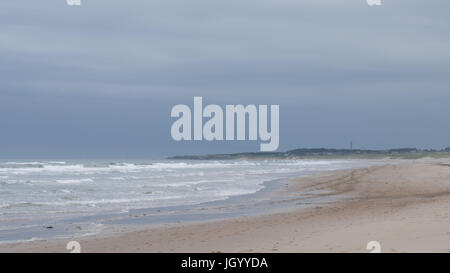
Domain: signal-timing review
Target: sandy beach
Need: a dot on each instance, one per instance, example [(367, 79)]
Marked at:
[(402, 206)]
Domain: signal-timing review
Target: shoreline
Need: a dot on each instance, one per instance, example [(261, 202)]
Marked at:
[(262, 201), (403, 206)]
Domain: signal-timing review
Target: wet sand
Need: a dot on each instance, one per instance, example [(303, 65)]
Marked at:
[(405, 207)]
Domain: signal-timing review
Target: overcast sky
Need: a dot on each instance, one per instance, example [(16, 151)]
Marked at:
[(100, 80)]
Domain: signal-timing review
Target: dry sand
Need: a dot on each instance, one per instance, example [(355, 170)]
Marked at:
[(405, 207)]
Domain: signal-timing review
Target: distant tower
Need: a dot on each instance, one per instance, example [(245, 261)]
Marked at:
[(351, 145)]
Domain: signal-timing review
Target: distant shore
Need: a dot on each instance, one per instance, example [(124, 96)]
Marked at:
[(402, 206), (326, 153)]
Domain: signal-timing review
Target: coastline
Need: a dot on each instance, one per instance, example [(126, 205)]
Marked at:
[(196, 191), (403, 206)]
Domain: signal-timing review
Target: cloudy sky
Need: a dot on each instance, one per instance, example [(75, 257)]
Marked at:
[(100, 80)]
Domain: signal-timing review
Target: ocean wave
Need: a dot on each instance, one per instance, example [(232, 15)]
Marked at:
[(56, 167), (57, 162), (24, 163), (196, 182), (96, 202), (74, 181), (20, 205), (26, 169)]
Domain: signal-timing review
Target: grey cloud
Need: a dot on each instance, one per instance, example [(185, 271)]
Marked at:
[(316, 58)]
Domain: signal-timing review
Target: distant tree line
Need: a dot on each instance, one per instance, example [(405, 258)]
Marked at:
[(305, 152)]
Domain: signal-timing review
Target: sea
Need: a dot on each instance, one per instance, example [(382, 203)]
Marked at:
[(64, 198)]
